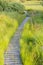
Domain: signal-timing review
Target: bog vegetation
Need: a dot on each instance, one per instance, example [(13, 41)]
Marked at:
[(11, 16), (31, 42)]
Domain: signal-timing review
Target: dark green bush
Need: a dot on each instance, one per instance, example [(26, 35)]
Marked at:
[(6, 6), (3, 5), (17, 7)]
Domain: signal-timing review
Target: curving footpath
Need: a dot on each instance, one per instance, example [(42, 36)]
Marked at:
[(12, 54)]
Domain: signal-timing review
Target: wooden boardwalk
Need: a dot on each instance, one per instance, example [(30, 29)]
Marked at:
[(12, 54)]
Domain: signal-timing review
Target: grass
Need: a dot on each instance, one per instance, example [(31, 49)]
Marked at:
[(15, 15), (11, 16), (32, 2), (9, 22), (35, 5), (31, 42), (8, 27), (10, 19), (12, 0)]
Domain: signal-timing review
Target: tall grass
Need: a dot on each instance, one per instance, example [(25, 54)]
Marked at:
[(11, 16), (8, 27), (31, 42)]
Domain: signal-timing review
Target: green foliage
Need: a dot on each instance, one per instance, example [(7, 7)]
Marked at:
[(38, 16), (3, 5), (9, 22), (8, 27), (10, 19), (31, 42), (18, 7), (41, 3), (6, 6), (19, 17)]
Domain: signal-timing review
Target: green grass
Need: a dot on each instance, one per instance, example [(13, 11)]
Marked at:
[(31, 41), (9, 22), (8, 27), (15, 15), (11, 16), (34, 5)]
